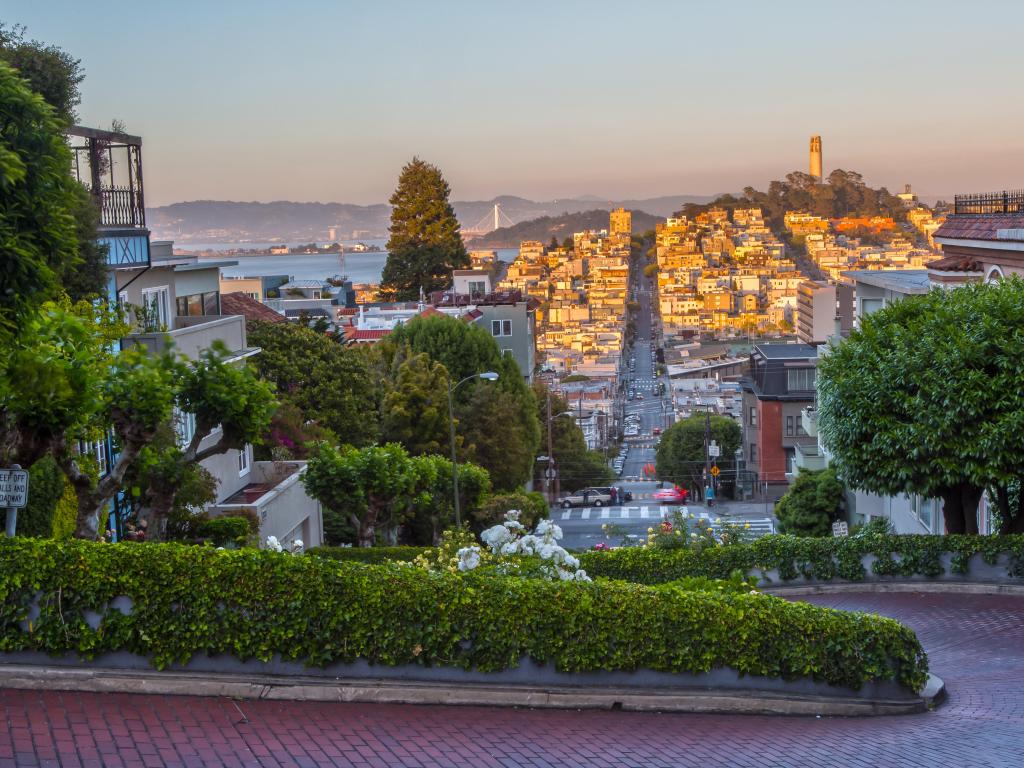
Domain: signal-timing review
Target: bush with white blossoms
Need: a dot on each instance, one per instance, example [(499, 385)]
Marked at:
[(509, 538), (274, 545)]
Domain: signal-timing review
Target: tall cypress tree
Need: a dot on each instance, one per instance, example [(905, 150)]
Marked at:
[(425, 245)]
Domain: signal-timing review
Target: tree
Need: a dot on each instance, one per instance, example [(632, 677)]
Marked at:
[(37, 222), (812, 503), (368, 488), (532, 508), (553, 245), (414, 410), (46, 483), (434, 508), (577, 465), (425, 244), (925, 398), (330, 384), (680, 453), (56, 76), (496, 420)]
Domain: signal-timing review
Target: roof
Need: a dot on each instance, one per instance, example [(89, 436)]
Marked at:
[(955, 263), (356, 334), (898, 280), (301, 284), (312, 312), (972, 226), (203, 265), (249, 308), (786, 351)]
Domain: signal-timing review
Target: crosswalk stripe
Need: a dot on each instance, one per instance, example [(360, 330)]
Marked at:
[(643, 513), (585, 514), (624, 513), (566, 514), (604, 513)]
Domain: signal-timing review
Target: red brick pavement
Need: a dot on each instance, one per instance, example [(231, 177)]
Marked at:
[(976, 643)]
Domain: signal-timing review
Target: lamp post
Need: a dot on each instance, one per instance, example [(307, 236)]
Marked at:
[(487, 376), (552, 471)]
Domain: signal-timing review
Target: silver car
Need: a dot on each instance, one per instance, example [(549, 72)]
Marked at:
[(588, 497)]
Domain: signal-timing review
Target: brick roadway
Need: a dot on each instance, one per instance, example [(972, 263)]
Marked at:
[(976, 643)]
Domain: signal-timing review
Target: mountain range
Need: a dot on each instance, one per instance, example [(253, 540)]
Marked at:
[(208, 221)]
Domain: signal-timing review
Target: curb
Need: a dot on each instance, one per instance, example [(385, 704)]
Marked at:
[(299, 688), (926, 587)]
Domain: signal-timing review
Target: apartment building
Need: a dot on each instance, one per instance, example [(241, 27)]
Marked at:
[(822, 309)]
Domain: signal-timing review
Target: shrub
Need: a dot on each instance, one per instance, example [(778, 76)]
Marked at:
[(256, 604), (812, 503), (369, 554), (532, 508), (46, 486), (65, 516), (822, 559), (224, 531)]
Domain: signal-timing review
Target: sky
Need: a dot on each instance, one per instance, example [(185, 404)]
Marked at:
[(318, 100)]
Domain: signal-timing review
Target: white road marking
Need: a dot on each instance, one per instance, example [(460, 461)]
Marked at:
[(566, 514), (643, 513), (585, 515), (624, 513), (604, 513)]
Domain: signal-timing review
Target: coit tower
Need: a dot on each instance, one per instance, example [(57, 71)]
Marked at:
[(816, 157)]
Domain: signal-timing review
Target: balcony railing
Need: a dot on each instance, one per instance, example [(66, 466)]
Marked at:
[(121, 207), (190, 336), (109, 165), (1011, 201)]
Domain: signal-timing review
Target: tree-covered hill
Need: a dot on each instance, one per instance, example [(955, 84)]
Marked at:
[(563, 226)]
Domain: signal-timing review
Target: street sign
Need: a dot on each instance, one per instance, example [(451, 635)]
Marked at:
[(714, 471), (714, 451), (13, 488), (840, 529)]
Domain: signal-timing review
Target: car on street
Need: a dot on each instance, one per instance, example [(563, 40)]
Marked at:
[(617, 493), (587, 497), (673, 495), (656, 431)]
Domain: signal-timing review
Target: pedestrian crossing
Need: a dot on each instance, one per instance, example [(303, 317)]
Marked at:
[(757, 527)]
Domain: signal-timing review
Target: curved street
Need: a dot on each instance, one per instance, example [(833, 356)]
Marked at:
[(975, 643)]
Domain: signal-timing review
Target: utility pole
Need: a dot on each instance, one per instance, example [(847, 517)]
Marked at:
[(707, 452), (552, 472)]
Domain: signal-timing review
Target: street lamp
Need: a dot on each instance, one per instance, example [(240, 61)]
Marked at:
[(551, 474), (486, 376)]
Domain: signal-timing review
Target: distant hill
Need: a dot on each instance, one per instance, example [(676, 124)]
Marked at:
[(560, 226), (202, 221)]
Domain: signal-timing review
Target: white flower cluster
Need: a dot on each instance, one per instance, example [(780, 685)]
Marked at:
[(508, 538), (469, 558), (275, 546)]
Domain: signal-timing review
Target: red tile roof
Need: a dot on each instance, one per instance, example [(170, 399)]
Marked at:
[(979, 226), (955, 263), (249, 308), (355, 335)]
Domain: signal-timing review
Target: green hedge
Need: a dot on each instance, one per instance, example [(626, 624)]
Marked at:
[(251, 603), (375, 555), (822, 559)]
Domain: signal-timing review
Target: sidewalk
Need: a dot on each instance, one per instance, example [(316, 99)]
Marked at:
[(741, 509)]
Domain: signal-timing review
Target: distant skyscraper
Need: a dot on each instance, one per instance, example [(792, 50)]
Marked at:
[(816, 157), (621, 222)]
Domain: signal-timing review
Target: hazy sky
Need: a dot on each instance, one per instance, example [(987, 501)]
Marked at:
[(321, 100)]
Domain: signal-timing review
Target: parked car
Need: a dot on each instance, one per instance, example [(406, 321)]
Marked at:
[(587, 497), (675, 495), (656, 431)]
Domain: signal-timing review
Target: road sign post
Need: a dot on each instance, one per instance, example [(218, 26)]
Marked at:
[(13, 494)]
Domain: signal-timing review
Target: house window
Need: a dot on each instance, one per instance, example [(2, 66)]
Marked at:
[(158, 302), (244, 464), (800, 379), (198, 304), (789, 426), (752, 420), (316, 294), (99, 451), (501, 327), (923, 510), (753, 452), (508, 352), (184, 427), (476, 286)]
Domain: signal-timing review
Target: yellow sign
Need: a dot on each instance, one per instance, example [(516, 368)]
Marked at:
[(715, 471)]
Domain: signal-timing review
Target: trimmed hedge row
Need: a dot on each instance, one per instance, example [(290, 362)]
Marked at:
[(250, 603), (821, 559), (374, 555)]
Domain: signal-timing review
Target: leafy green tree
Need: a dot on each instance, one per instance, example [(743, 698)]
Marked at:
[(812, 503), (46, 483), (370, 489), (329, 384), (425, 244), (414, 411), (497, 421), (925, 398), (578, 466), (37, 222), (680, 453), (56, 76), (434, 509), (553, 245)]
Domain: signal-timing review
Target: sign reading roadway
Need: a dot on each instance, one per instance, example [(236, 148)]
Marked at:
[(13, 488)]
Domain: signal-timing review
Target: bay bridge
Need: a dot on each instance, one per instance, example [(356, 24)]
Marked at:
[(492, 220)]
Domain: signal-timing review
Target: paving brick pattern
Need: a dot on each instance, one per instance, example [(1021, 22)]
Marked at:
[(976, 643)]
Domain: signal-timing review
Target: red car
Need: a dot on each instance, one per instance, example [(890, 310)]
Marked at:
[(671, 496)]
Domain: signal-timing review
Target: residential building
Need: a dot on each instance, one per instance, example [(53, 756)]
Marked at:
[(985, 234), (780, 383), (174, 303), (822, 308), (621, 222)]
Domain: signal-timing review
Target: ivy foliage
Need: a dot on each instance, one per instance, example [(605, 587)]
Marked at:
[(188, 601), (820, 559)]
